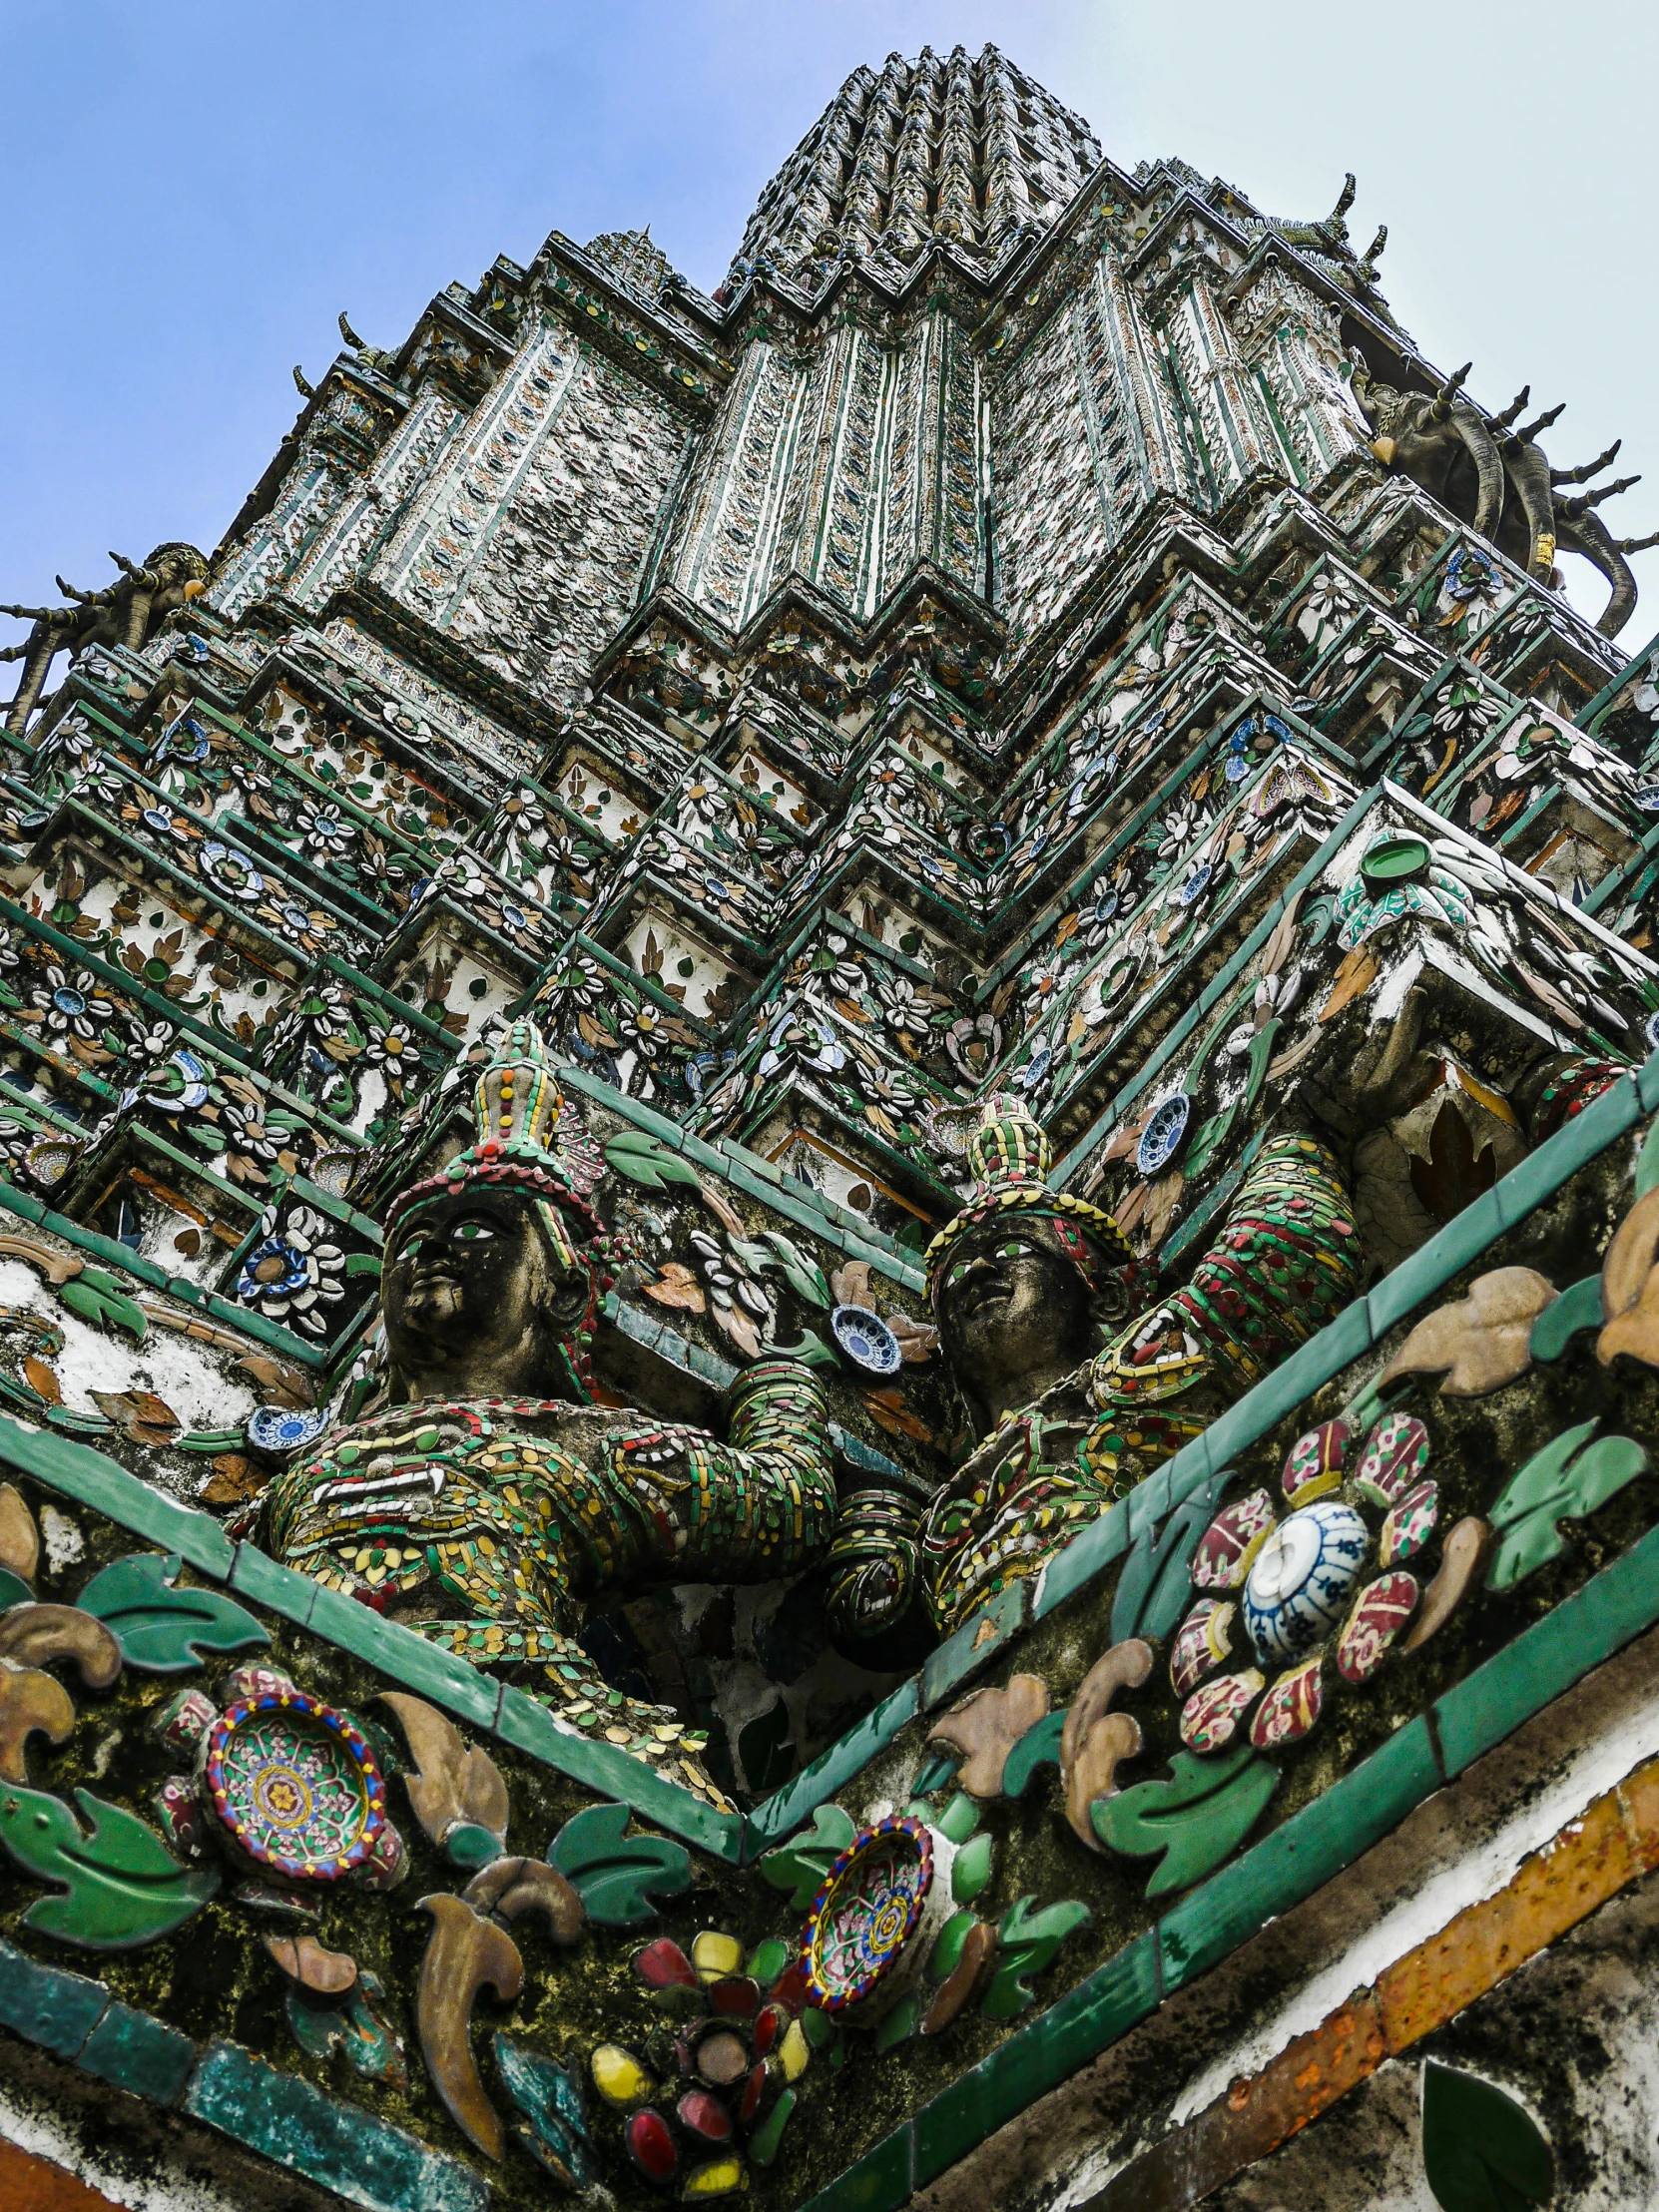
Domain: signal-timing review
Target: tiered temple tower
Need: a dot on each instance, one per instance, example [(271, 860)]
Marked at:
[(1039, 646)]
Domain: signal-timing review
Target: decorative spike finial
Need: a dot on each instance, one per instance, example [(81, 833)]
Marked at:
[(1529, 431), (1448, 392), (517, 1101)]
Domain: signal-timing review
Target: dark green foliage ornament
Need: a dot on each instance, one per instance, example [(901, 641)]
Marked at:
[(1481, 2151), (163, 1629), (555, 2125), (646, 1160), (801, 1864), (1195, 1819), (615, 1873), (98, 1295), (120, 1884), (1030, 1940), (1554, 1485)]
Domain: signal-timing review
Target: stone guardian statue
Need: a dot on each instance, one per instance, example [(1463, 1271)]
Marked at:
[(484, 1500)]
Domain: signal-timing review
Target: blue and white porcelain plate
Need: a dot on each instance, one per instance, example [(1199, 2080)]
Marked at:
[(1164, 1134), (1300, 1581), (280, 1429), (867, 1340)]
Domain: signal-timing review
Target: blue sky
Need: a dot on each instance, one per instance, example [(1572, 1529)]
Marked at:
[(190, 194)]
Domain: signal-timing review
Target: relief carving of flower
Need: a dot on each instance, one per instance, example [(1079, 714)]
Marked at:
[(230, 874), (973, 1044), (72, 1005), (292, 1273)]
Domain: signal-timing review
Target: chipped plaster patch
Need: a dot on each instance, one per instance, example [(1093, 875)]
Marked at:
[(63, 1538)]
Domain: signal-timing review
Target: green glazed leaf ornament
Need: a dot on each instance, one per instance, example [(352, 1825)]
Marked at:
[(1195, 1819), (1555, 1486), (646, 1160), (1155, 1588), (1029, 1940), (122, 1887), (615, 1874), (555, 2124), (1038, 1747), (801, 1864), (1481, 2151), (803, 1275), (98, 1295), (163, 1629), (1577, 1309)]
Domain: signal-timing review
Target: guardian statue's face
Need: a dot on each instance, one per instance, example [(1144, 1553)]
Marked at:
[(1010, 1309), (474, 1302)]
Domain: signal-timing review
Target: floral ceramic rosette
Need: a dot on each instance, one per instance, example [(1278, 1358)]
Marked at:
[(707, 2097), (289, 1787), (877, 1918), (1294, 1602)]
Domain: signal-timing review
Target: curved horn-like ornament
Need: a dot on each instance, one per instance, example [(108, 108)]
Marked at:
[(1529, 431), (29, 1703), (465, 1955), (1589, 469), (1441, 411), (1488, 465), (31, 1635), (510, 1888)]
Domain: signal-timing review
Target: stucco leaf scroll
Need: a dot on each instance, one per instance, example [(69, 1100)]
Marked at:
[(456, 1787), (1630, 1286), (1356, 973), (1095, 1738), (304, 1960), (987, 1727), (29, 1703), (464, 1956), (513, 1887), (1481, 1342), (31, 1635), (1460, 1556), (1027, 1941), (19, 1537)]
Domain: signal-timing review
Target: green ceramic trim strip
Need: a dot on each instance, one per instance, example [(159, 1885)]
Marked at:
[(1588, 716), (1286, 1867), (343, 2147)]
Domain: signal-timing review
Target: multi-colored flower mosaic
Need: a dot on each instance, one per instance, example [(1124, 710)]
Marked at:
[(712, 2093), (1310, 1599)]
